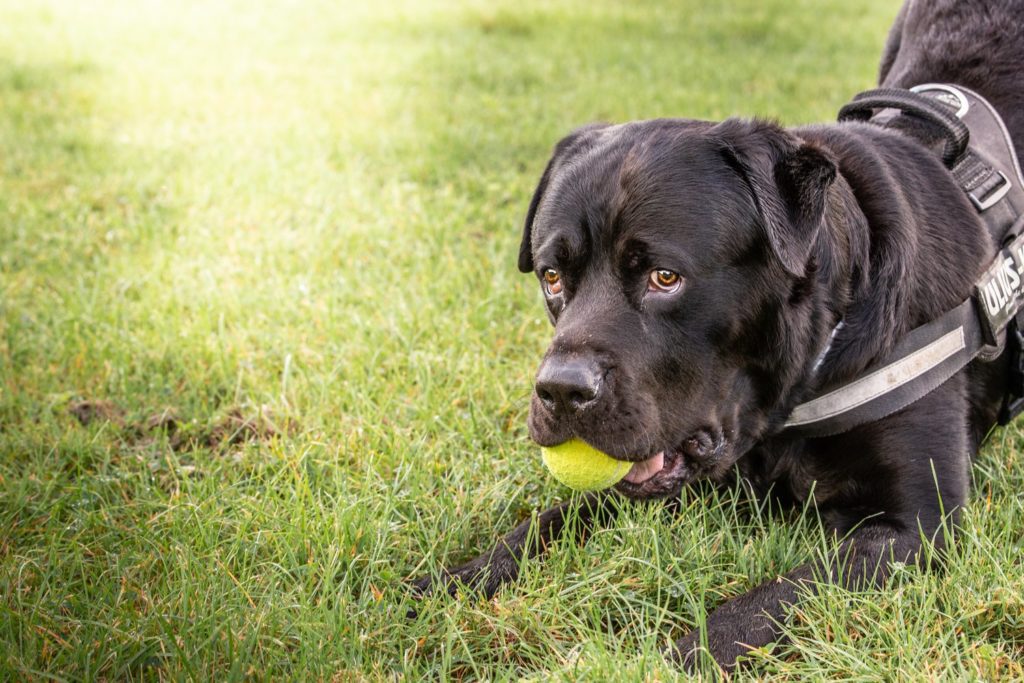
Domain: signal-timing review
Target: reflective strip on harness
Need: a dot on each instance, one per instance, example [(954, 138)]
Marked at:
[(927, 356), (920, 363), (879, 382)]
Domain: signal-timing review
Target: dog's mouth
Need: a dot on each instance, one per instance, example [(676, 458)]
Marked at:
[(645, 469), (660, 475), (666, 472)]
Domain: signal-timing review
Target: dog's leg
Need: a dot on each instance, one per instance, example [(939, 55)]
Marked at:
[(753, 619), (903, 479), (500, 565)]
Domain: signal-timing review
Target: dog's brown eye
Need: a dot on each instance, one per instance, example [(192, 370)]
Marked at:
[(552, 281), (662, 280)]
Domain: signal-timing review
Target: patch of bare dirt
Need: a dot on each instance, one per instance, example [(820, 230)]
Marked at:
[(89, 411), (236, 427)]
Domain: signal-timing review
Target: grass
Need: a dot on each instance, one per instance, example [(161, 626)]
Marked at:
[(264, 352)]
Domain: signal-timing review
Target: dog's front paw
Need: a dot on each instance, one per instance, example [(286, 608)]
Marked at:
[(728, 638), (467, 576), (476, 575), (427, 585), (691, 655)]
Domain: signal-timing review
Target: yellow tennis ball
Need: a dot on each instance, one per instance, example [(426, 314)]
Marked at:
[(580, 466)]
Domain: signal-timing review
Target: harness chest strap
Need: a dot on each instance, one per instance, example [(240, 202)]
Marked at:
[(924, 359), (932, 353)]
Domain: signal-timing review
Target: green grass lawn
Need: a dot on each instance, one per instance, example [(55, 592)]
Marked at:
[(265, 353)]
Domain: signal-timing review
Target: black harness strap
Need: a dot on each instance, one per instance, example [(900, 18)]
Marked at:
[(867, 105), (928, 356), (989, 172), (919, 364)]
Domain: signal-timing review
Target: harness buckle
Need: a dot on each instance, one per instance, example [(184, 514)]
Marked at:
[(989, 193)]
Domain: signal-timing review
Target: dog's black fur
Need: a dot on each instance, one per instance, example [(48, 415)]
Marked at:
[(778, 235)]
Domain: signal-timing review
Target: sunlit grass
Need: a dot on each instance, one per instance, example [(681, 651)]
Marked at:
[(279, 239)]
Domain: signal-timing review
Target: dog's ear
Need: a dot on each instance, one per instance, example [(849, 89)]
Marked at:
[(789, 180), (568, 147)]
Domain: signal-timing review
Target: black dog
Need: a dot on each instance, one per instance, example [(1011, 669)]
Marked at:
[(695, 272)]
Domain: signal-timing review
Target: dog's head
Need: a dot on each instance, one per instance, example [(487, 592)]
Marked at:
[(678, 264)]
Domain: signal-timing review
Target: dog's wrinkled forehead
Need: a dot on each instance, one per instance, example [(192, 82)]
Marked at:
[(665, 186)]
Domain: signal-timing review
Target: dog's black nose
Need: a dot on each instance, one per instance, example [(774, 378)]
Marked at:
[(566, 386)]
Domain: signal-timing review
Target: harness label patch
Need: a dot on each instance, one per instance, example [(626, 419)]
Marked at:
[(1001, 289)]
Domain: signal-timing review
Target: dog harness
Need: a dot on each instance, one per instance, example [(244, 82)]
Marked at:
[(978, 151)]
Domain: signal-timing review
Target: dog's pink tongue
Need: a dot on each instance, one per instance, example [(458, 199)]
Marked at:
[(644, 470)]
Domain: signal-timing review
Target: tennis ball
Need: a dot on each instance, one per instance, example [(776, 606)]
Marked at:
[(580, 466)]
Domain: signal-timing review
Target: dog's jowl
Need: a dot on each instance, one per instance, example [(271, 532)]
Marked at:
[(704, 279)]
